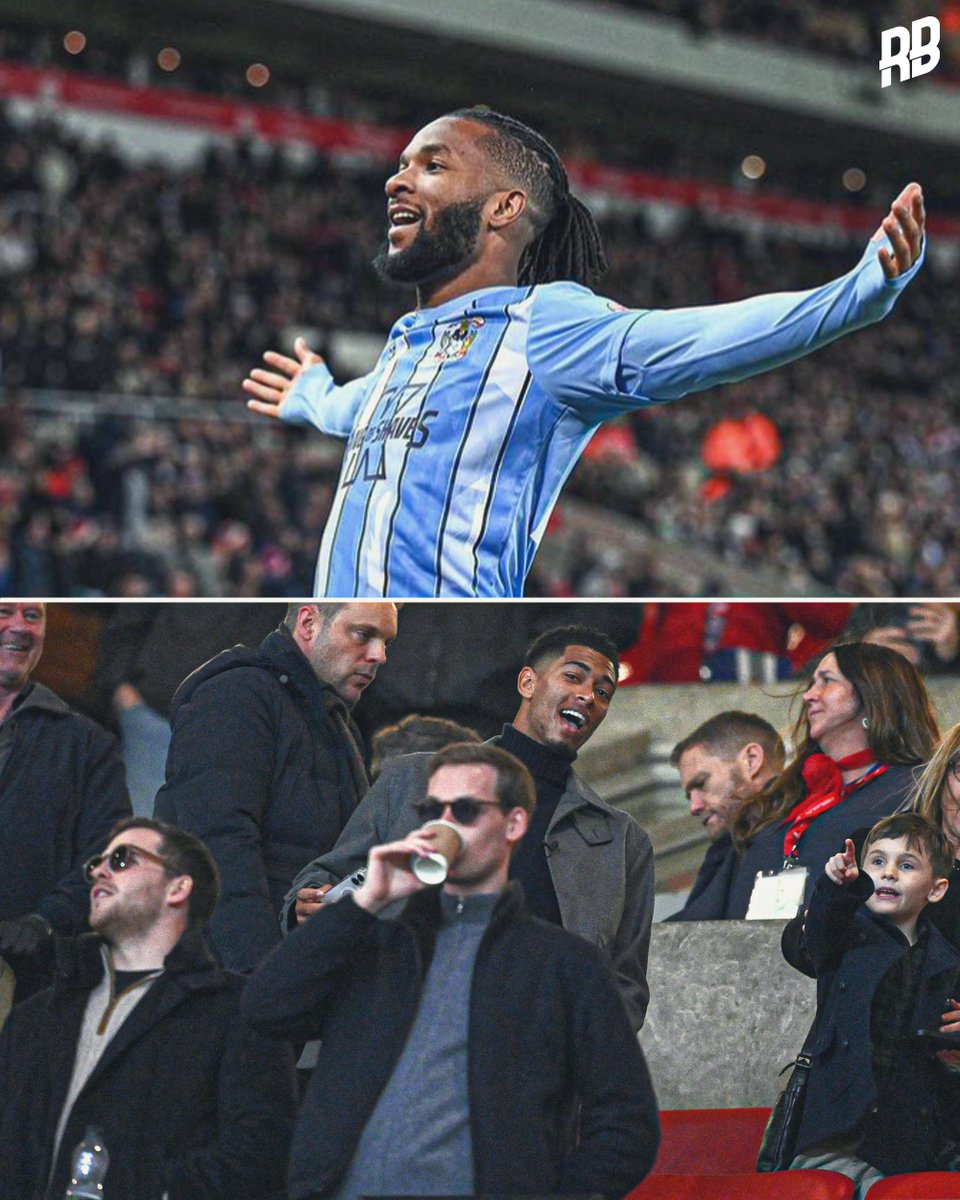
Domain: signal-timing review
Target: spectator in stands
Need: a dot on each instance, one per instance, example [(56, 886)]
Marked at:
[(147, 650), (469, 1032), (722, 763), (141, 1037), (938, 799), (61, 790), (729, 641), (878, 1102), (477, 688), (265, 763), (585, 865), (927, 634), (867, 724), (415, 735)]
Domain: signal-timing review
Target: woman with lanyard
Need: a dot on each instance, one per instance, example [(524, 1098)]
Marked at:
[(866, 724)]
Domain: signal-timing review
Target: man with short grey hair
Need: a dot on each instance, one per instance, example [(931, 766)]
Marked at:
[(265, 763)]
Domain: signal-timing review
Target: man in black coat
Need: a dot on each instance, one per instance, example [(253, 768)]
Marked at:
[(61, 790), (722, 763), (458, 1041), (265, 764), (140, 1037)]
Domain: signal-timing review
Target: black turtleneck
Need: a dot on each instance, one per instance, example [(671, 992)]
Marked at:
[(550, 771)]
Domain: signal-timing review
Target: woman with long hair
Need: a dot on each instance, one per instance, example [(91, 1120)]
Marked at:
[(867, 724), (937, 798)]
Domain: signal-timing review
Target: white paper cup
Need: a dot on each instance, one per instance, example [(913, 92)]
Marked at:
[(434, 867)]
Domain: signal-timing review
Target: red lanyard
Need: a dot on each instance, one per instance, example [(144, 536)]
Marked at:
[(810, 807)]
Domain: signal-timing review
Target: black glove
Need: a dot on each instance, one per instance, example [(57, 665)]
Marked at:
[(25, 935)]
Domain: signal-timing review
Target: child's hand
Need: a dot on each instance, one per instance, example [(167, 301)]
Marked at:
[(842, 868)]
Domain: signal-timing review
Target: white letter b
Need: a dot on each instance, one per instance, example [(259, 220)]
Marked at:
[(925, 55)]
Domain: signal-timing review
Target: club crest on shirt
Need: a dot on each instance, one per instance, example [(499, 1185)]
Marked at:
[(458, 339)]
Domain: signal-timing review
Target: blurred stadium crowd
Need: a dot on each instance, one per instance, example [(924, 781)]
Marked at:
[(849, 29), (126, 281)]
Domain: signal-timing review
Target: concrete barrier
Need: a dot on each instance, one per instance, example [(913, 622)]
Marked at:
[(726, 1013)]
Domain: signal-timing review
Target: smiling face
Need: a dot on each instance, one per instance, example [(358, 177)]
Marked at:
[(834, 711), (565, 699), (437, 203), (130, 902), (903, 881), (346, 650), (714, 787), (22, 630)]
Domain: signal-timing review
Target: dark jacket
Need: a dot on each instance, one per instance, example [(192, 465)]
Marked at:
[(945, 915), (187, 1096), (265, 768), (599, 858), (729, 893), (62, 788), (546, 1024), (154, 647), (909, 1126), (713, 878)]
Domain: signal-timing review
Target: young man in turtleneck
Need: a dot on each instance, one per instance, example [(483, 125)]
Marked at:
[(459, 1040), (582, 864)]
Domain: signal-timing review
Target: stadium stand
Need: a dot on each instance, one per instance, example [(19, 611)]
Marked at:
[(153, 284)]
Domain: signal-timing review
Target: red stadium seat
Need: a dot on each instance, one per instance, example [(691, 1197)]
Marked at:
[(779, 1185), (710, 1141), (924, 1185)]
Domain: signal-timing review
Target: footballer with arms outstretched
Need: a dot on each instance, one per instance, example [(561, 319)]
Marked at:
[(485, 396)]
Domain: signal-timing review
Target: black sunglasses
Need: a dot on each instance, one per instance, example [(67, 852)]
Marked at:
[(464, 810), (120, 858)]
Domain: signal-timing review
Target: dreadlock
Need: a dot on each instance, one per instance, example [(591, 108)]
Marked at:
[(567, 242)]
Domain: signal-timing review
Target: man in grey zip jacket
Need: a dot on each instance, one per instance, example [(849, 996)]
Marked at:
[(583, 864)]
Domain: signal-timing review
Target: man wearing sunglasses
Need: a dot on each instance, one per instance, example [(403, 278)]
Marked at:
[(141, 1037), (266, 764), (584, 865), (458, 1040), (61, 789)]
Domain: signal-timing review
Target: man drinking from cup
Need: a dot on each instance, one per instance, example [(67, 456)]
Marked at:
[(457, 1040)]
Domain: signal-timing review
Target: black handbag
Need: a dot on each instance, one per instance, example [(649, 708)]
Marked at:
[(778, 1144)]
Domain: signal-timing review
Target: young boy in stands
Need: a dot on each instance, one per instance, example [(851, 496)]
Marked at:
[(878, 1100)]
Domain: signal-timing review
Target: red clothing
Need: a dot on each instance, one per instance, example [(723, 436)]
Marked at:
[(676, 638)]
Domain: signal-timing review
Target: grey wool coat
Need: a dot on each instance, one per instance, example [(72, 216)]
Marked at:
[(600, 861)]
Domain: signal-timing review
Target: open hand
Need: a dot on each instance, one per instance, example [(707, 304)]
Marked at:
[(270, 389), (904, 225)]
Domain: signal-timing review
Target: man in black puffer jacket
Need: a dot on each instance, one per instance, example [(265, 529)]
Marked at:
[(265, 763)]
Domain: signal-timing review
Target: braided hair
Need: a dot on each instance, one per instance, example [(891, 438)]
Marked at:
[(567, 243)]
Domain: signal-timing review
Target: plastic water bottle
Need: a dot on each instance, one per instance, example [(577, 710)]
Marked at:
[(90, 1162)]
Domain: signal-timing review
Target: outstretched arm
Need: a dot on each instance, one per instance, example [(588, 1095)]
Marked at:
[(601, 360), (687, 350), (273, 393), (301, 390)]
